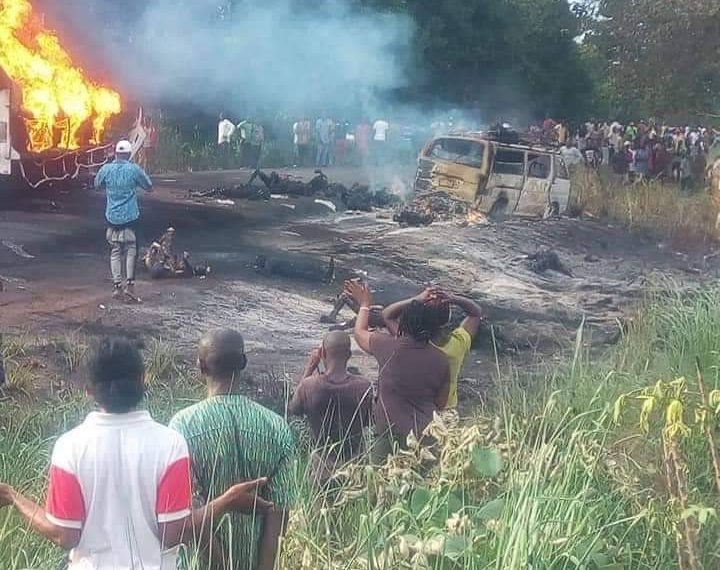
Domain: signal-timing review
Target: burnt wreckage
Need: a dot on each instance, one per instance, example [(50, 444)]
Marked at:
[(358, 197)]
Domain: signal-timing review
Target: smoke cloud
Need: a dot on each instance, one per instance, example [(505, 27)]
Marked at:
[(265, 54)]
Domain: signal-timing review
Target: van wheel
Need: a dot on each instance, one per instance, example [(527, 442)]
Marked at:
[(552, 210), (498, 212)]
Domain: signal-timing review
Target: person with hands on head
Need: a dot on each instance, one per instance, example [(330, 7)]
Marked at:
[(413, 377), (454, 343), (232, 438), (119, 492), (337, 403)]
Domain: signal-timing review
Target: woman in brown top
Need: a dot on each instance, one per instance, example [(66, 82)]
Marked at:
[(414, 376)]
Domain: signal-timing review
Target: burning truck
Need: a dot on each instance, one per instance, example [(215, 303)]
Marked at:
[(52, 117)]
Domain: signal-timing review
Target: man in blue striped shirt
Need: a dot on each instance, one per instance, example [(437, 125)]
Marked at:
[(120, 179)]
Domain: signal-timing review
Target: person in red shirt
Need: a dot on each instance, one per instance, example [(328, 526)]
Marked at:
[(119, 493), (362, 140)]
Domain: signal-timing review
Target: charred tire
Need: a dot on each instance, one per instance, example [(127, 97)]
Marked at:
[(498, 212), (552, 210)]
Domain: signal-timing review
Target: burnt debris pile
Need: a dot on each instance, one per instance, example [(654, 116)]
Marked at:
[(546, 260), (262, 186), (290, 266), (431, 207), (421, 210)]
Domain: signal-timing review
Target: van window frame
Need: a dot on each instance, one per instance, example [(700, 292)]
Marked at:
[(538, 154), (483, 158), (562, 172), (523, 164)]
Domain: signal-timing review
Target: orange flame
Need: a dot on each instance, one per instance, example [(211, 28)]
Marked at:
[(56, 95)]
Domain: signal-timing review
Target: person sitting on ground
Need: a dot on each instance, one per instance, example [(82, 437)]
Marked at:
[(233, 438), (162, 261), (337, 403), (414, 376), (120, 492), (454, 343)]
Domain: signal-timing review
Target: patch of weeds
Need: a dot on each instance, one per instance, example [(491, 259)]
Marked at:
[(20, 376), (19, 373), (73, 349), (162, 361), (14, 346)]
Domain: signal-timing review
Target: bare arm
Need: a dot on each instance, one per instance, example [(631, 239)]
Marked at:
[(391, 313), (198, 525), (35, 515), (360, 292), (473, 313), (296, 405), (441, 399), (313, 363), (143, 180), (275, 525)]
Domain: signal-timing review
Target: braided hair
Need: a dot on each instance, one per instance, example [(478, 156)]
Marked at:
[(419, 321)]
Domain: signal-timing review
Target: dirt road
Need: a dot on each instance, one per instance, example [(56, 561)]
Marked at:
[(53, 262)]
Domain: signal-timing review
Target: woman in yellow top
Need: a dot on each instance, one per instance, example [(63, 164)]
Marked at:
[(455, 343)]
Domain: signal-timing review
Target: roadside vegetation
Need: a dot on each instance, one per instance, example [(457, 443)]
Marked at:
[(657, 209), (604, 462)]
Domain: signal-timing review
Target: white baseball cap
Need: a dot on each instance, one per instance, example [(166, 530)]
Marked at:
[(123, 147)]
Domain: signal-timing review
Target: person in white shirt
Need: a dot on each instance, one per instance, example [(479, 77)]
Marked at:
[(380, 136), (571, 154), (226, 130), (119, 493)]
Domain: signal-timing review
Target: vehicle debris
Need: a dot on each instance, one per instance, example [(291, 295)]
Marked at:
[(364, 199), (296, 268), (17, 249), (546, 260), (414, 218)]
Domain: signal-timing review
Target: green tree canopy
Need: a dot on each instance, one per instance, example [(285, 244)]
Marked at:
[(656, 59)]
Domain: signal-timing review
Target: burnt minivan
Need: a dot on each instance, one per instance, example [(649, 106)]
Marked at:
[(498, 178)]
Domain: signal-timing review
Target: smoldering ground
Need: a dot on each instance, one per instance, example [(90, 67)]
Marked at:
[(274, 54)]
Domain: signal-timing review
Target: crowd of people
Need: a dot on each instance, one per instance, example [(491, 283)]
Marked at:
[(321, 142), (215, 487), (638, 151)]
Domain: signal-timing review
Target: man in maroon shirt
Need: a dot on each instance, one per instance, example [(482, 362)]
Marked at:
[(338, 404), (413, 377)]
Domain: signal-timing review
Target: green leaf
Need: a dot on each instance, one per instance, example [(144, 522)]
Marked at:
[(491, 511), (420, 500), (486, 461), (600, 560), (455, 546), (454, 504)]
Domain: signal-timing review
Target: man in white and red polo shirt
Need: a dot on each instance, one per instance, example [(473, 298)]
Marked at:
[(119, 495)]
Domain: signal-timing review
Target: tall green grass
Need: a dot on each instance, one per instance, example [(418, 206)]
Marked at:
[(544, 479)]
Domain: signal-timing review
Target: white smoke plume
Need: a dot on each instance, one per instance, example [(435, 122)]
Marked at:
[(271, 54)]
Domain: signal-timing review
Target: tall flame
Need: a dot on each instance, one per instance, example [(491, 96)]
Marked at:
[(56, 96)]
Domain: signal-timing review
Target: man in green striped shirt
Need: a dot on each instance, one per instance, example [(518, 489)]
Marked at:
[(231, 439)]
